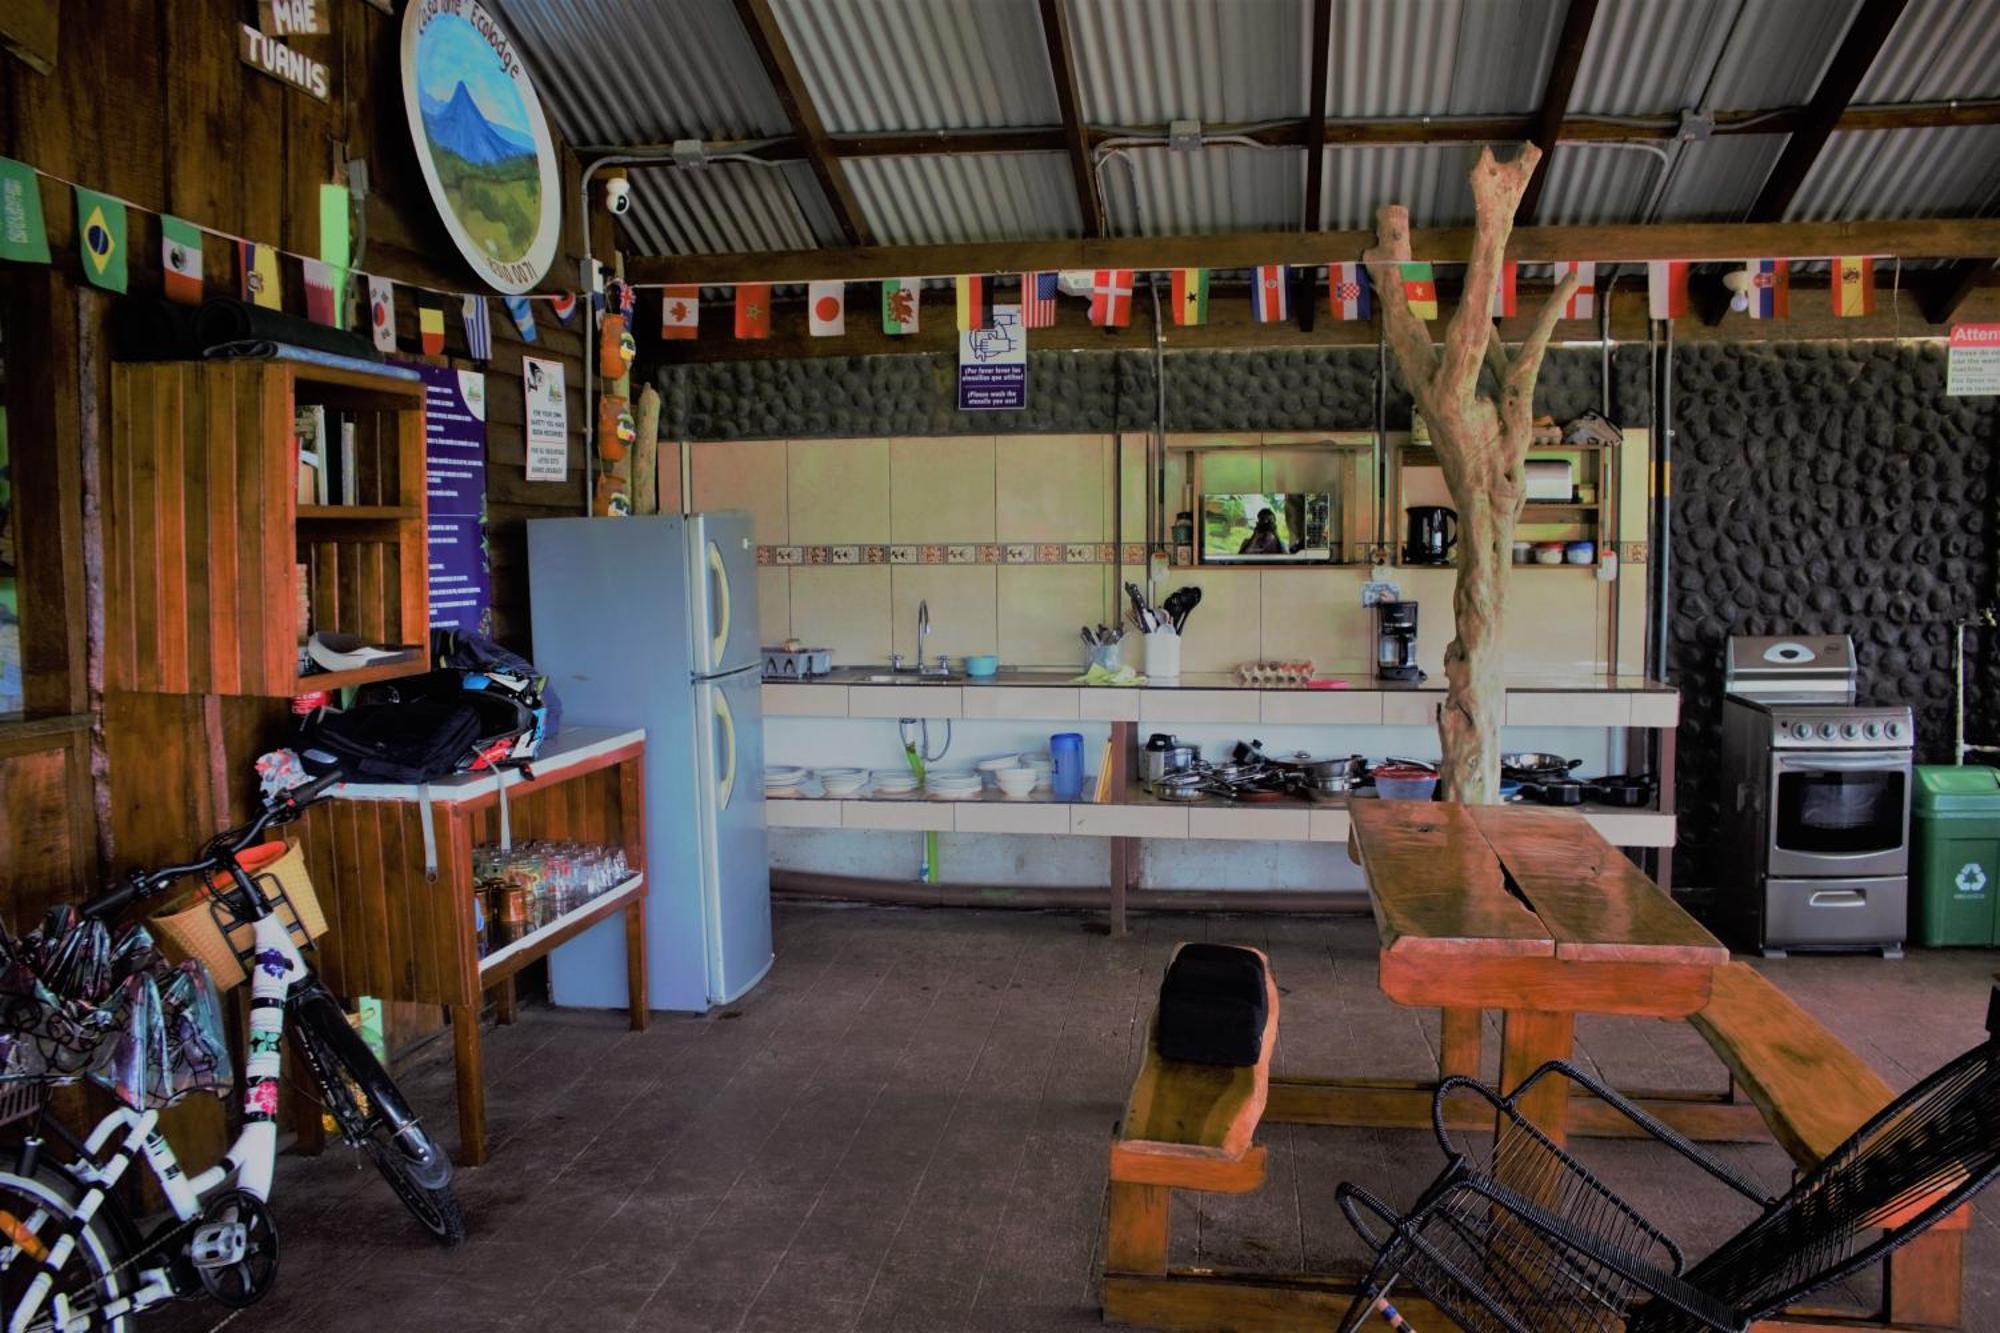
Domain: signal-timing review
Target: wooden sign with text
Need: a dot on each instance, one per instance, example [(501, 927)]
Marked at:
[(280, 61), (290, 18)]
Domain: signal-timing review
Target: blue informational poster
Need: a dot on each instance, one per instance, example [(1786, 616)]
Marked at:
[(461, 585), (993, 364)]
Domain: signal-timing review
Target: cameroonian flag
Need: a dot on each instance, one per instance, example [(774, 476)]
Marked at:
[(900, 299), (1190, 296), (430, 322), (1853, 286), (100, 238), (1420, 288), (180, 259), (974, 310)]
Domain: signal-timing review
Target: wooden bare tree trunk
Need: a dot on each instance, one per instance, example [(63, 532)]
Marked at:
[(1481, 441)]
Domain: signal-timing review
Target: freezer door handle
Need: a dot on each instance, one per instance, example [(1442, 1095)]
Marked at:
[(726, 783), (720, 643), (1838, 898)]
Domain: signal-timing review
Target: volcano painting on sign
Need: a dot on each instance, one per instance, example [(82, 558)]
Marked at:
[(482, 140)]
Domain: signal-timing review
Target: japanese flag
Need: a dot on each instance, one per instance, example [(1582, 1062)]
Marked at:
[(680, 312), (826, 304), (382, 313)]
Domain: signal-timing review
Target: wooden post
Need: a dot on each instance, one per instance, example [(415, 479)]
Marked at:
[(1924, 1282), (1460, 1042), (1138, 1239), (471, 1084), (1482, 444)]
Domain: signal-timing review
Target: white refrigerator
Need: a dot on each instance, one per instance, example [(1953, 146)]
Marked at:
[(652, 622)]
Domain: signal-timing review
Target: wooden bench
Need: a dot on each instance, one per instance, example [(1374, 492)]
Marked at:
[(1186, 1126), (1813, 1093)]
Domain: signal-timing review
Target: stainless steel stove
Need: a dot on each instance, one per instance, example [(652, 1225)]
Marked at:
[(1817, 804)]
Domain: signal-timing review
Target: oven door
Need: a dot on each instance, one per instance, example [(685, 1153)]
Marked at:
[(1840, 814)]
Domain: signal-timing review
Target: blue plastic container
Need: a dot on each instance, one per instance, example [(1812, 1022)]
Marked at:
[(1066, 750)]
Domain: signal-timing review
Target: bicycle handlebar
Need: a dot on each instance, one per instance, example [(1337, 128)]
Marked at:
[(219, 851)]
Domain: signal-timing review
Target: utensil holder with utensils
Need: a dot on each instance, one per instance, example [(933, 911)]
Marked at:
[(1163, 654)]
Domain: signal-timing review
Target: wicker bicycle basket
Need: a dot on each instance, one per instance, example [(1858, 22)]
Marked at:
[(201, 925)]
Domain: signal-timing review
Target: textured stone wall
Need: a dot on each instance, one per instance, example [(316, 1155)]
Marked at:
[(1290, 389), (1824, 488)]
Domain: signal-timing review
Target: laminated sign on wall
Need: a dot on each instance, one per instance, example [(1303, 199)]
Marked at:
[(1972, 361), (547, 418), (461, 586), (993, 364)]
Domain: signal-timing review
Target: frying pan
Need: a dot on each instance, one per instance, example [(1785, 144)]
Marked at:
[(1534, 765), (1555, 791), (1625, 791)]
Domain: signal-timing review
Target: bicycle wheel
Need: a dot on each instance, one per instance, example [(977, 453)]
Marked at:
[(372, 1114), (45, 1203)]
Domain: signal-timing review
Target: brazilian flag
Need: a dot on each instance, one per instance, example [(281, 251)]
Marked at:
[(100, 238)]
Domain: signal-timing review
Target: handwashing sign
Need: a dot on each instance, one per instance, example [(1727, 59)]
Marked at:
[(993, 364), (1972, 360)]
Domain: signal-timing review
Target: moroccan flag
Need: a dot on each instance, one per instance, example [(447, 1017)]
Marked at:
[(522, 311), (100, 238), (1421, 290), (1666, 288), (320, 308), (382, 313), (974, 310), (1770, 288), (900, 299), (1111, 297), (826, 309), (1506, 292), (1038, 299), (259, 265), (430, 322), (1347, 290), (1853, 286), (680, 312), (753, 309), (1190, 296), (1270, 294), (1582, 303), (180, 259)]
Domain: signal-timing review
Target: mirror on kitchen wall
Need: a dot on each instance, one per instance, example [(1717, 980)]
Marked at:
[(1259, 500)]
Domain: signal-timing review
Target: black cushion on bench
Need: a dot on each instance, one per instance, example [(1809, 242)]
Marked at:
[(1213, 1003)]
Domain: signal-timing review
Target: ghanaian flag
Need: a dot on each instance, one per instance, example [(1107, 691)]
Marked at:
[(1190, 296), (1854, 286)]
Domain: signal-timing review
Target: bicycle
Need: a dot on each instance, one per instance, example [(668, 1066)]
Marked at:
[(72, 1256)]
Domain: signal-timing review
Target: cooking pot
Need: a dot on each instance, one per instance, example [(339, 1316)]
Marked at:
[(1626, 791), (1155, 764)]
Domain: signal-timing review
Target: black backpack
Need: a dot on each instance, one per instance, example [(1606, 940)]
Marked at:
[(414, 739)]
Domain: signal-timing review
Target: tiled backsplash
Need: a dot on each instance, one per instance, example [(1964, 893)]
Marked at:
[(956, 553)]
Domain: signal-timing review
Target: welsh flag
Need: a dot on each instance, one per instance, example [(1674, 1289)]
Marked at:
[(901, 298)]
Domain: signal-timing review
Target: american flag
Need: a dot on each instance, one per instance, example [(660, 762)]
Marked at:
[(1038, 300)]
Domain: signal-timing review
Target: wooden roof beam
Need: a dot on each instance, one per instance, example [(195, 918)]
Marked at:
[(776, 55), (1555, 98), (1945, 291), (1076, 135), (1315, 122), (1865, 37), (1908, 238)]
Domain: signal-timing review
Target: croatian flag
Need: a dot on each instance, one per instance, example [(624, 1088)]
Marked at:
[(1111, 297), (1582, 303), (1770, 288), (1038, 300), (1270, 300), (1347, 287)]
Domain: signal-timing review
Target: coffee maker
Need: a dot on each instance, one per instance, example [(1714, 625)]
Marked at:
[(1396, 641)]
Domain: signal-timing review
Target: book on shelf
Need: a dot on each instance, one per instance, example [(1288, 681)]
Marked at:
[(348, 472), (309, 426)]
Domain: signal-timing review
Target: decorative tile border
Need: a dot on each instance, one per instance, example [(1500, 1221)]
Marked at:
[(955, 553)]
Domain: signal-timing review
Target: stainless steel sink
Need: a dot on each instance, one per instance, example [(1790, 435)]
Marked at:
[(907, 678)]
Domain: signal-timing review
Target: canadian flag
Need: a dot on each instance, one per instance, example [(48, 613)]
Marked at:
[(680, 312), (826, 307)]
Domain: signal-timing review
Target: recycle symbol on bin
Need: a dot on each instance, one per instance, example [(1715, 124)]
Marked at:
[(1971, 878)]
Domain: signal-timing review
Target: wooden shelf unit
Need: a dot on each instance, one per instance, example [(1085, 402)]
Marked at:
[(1579, 520), (205, 537)]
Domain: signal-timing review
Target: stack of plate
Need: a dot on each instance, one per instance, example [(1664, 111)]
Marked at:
[(1045, 769), (894, 781), (782, 782), (959, 786), (842, 782), (988, 767)]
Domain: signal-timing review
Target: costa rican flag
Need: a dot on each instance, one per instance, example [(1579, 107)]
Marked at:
[(1770, 288), (1270, 298), (1582, 303), (1038, 300), (1347, 288), (1111, 297)]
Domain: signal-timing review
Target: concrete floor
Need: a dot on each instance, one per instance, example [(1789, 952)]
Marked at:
[(904, 1128)]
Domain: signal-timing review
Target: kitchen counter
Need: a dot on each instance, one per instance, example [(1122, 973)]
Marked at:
[(1069, 677)]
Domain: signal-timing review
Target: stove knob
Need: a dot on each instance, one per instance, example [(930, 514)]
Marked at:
[(1848, 731), (1872, 730), (1802, 731), (1827, 731), (1893, 730)]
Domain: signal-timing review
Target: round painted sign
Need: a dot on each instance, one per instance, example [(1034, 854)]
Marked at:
[(482, 140)]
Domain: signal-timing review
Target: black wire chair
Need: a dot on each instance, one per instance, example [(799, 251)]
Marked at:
[(1518, 1236)]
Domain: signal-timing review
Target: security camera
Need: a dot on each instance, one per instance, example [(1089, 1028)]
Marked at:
[(618, 195)]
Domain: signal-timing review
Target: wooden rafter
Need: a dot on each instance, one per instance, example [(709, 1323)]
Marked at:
[(1948, 288), (1865, 36), (1555, 97), (776, 54), (1315, 123), (1076, 135), (1909, 238)]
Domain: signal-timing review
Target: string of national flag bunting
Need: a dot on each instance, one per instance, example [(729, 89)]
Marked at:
[(1764, 291)]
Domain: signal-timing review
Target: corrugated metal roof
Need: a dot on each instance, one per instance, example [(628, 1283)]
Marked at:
[(1165, 193), (1902, 174), (728, 207), (874, 65), (1439, 57), (1430, 179), (1938, 50), (974, 197), (1144, 62)]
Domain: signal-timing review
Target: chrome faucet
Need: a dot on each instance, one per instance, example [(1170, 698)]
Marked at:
[(943, 667)]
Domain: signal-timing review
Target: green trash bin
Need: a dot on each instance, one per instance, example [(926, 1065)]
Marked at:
[(1956, 871)]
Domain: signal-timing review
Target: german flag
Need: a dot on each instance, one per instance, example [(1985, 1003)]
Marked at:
[(974, 310)]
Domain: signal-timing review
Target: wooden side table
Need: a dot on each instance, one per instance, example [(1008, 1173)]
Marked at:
[(398, 931)]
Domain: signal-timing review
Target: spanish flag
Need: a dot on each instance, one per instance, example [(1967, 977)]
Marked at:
[(1854, 286), (974, 311), (1190, 296)]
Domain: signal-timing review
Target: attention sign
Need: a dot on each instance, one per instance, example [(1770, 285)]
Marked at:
[(1972, 361)]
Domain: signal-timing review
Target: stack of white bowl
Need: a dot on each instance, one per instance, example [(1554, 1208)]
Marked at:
[(1016, 783), (782, 782), (986, 768), (840, 783), (893, 781), (945, 785), (1044, 767)]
